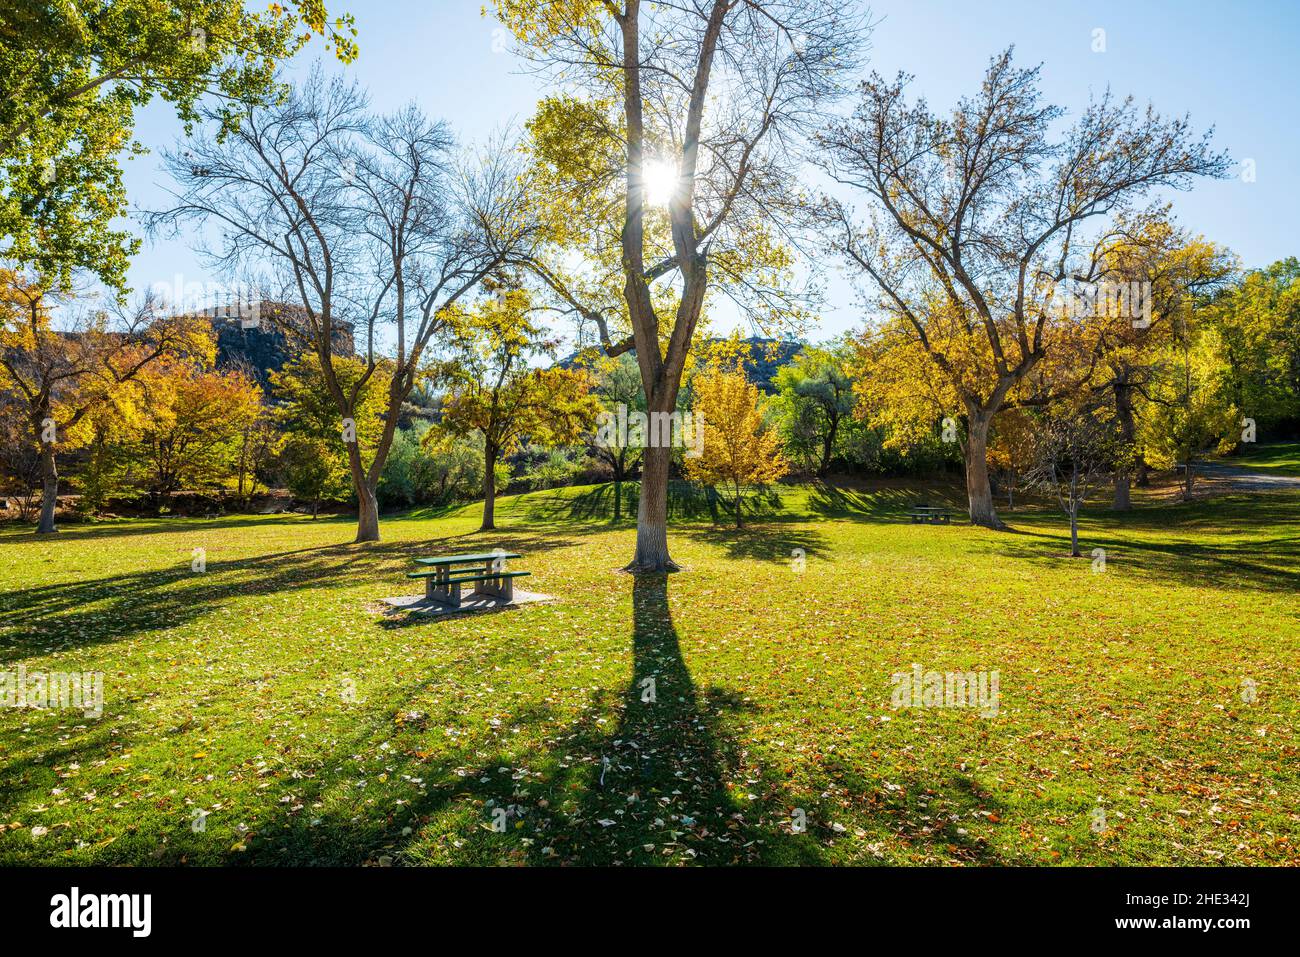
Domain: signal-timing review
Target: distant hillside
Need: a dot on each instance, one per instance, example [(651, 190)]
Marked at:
[(766, 356), (253, 344)]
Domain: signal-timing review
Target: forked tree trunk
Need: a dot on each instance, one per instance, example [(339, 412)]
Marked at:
[(652, 514), (489, 490), (978, 490), (49, 489)]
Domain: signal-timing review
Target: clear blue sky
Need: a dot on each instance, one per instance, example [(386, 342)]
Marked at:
[(1230, 65)]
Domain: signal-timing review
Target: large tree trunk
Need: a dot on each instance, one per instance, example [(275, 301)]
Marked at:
[(367, 514), (49, 489), (489, 490), (652, 514), (978, 490)]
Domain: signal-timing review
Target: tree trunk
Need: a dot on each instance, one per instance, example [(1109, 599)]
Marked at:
[(49, 489), (828, 446), (978, 490), (740, 523), (1128, 430), (1074, 531), (618, 485), (367, 502), (1143, 479), (1123, 497), (367, 514), (489, 490), (652, 514)]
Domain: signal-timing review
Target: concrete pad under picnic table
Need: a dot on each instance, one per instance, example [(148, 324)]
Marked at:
[(470, 601)]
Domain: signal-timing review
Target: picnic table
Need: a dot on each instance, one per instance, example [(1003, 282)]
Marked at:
[(929, 514), (485, 570)]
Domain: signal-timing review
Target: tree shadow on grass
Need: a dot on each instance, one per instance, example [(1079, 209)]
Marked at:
[(651, 790), (882, 504), (774, 540), (656, 786), (1271, 564)]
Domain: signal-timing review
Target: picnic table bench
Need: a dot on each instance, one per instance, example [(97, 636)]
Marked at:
[(929, 514), (485, 570)]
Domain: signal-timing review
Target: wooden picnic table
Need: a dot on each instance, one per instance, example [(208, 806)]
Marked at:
[(928, 513), (486, 570)]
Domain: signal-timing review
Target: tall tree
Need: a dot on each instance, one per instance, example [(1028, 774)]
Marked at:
[(618, 389), (739, 448), (815, 396), (353, 217), (1176, 269), (193, 433), (668, 159), (314, 459), (59, 376), (979, 216), (493, 391)]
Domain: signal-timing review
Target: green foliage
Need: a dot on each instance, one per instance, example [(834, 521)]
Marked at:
[(429, 467), (1191, 411), (1258, 321), (73, 77), (814, 405), (314, 459)]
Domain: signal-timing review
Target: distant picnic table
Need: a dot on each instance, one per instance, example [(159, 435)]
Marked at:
[(929, 514), (485, 570)]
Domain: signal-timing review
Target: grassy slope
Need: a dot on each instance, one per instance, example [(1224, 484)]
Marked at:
[(231, 691), (1282, 458)]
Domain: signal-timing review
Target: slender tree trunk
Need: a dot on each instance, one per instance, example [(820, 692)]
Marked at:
[(1128, 430), (828, 445), (618, 487), (489, 490), (740, 522), (978, 489), (652, 514), (49, 489), (1074, 530)]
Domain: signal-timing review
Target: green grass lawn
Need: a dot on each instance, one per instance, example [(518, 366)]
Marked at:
[(272, 693), (1282, 458)]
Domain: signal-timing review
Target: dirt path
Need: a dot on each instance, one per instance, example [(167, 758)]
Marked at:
[(1245, 480)]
